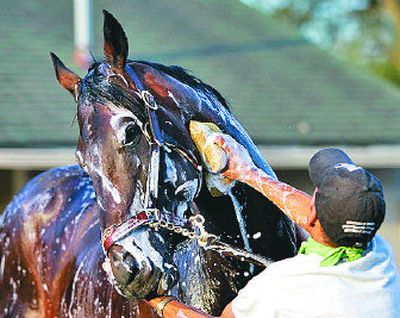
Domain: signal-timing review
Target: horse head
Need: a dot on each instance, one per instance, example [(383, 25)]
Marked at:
[(121, 146)]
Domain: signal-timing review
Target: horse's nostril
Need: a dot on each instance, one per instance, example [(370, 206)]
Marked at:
[(132, 264), (123, 265), (116, 256)]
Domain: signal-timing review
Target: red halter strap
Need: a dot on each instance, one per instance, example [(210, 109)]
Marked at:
[(114, 233)]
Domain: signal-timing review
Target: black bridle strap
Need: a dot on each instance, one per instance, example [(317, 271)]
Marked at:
[(151, 106), (115, 233), (134, 78), (151, 194)]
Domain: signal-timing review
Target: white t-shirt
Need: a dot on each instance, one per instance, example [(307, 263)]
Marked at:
[(299, 287)]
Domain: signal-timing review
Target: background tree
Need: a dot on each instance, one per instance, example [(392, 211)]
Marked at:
[(365, 32)]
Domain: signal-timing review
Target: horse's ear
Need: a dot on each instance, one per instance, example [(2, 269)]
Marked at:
[(115, 42), (65, 76)]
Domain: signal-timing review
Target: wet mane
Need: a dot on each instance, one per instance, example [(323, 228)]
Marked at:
[(184, 76), (181, 74)]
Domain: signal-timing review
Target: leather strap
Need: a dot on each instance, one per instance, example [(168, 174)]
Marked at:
[(114, 233)]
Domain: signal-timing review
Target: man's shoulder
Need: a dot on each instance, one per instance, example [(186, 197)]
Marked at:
[(380, 245), (300, 269), (298, 264), (378, 260), (367, 285), (379, 255), (283, 270)]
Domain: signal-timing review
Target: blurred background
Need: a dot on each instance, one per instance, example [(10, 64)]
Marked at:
[(299, 74)]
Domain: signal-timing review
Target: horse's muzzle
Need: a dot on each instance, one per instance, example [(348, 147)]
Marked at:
[(139, 269)]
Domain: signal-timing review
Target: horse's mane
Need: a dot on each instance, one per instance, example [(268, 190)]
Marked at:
[(184, 76)]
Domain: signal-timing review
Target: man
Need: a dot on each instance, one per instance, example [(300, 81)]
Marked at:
[(342, 270)]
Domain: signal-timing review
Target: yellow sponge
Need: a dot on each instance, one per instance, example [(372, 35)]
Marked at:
[(214, 158)]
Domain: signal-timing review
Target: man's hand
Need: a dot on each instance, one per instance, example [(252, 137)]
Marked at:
[(224, 155), (173, 308), (239, 161), (167, 307), (220, 152)]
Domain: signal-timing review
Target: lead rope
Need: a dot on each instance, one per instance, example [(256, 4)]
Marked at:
[(199, 233), (210, 241)]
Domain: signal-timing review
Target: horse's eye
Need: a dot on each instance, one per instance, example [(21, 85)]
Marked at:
[(132, 135)]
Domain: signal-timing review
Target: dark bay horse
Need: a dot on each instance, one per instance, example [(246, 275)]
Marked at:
[(77, 238)]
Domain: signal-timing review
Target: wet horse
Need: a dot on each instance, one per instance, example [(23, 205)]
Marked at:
[(94, 240)]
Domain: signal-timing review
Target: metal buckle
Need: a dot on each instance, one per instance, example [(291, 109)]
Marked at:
[(149, 100), (152, 214)]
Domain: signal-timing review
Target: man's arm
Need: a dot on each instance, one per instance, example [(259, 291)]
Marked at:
[(224, 155), (174, 309), (228, 313)]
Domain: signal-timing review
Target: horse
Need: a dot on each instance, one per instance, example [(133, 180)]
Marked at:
[(139, 215)]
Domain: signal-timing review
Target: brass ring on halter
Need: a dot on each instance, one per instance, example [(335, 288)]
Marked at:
[(161, 305)]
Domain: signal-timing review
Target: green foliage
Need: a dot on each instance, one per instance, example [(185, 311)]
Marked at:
[(364, 32)]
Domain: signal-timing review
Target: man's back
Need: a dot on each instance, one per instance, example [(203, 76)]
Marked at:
[(299, 287)]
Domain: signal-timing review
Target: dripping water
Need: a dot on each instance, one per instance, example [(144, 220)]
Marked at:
[(242, 225)]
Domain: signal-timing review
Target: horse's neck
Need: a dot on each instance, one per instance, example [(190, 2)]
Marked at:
[(222, 117), (208, 280)]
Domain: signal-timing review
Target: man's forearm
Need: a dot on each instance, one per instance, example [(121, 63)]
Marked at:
[(293, 202)]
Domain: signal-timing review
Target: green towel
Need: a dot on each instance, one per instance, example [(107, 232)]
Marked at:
[(331, 255)]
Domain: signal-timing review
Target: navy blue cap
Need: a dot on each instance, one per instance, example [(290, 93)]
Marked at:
[(349, 201), (324, 160)]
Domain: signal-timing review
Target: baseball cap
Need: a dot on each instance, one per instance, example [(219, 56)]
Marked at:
[(349, 201)]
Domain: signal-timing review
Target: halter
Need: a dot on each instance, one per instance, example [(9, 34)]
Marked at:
[(193, 227), (152, 216)]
